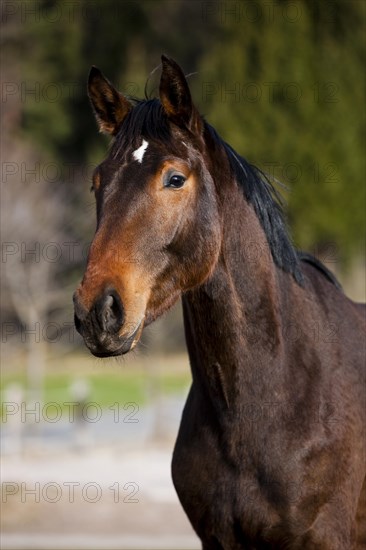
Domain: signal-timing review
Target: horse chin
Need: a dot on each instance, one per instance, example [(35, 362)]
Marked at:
[(115, 347)]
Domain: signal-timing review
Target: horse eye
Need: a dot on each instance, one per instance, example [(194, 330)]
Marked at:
[(176, 181)]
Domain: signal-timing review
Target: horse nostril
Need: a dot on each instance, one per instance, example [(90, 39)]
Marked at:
[(77, 323), (110, 312)]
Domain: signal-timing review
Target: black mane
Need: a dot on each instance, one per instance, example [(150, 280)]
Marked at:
[(148, 120)]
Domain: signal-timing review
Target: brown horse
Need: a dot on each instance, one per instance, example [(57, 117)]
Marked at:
[(271, 447)]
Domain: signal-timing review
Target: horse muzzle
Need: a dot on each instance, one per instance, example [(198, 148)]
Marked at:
[(104, 328)]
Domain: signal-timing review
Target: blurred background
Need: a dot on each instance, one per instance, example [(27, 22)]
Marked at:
[(86, 444)]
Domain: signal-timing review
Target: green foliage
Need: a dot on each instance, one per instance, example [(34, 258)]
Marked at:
[(287, 92)]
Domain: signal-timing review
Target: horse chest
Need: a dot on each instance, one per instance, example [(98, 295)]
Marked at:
[(223, 496)]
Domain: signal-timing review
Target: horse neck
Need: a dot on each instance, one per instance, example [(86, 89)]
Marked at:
[(233, 321)]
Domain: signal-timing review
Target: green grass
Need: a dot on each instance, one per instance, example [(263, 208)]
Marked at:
[(138, 382)]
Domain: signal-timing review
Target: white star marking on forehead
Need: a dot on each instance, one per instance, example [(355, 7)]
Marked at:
[(139, 153)]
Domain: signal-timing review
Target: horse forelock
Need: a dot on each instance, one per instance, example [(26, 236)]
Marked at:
[(146, 121)]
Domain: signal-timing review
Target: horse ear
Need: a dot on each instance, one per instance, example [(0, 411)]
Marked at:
[(175, 96), (110, 107)]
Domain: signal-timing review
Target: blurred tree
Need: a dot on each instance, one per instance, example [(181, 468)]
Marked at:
[(32, 248), (284, 85)]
